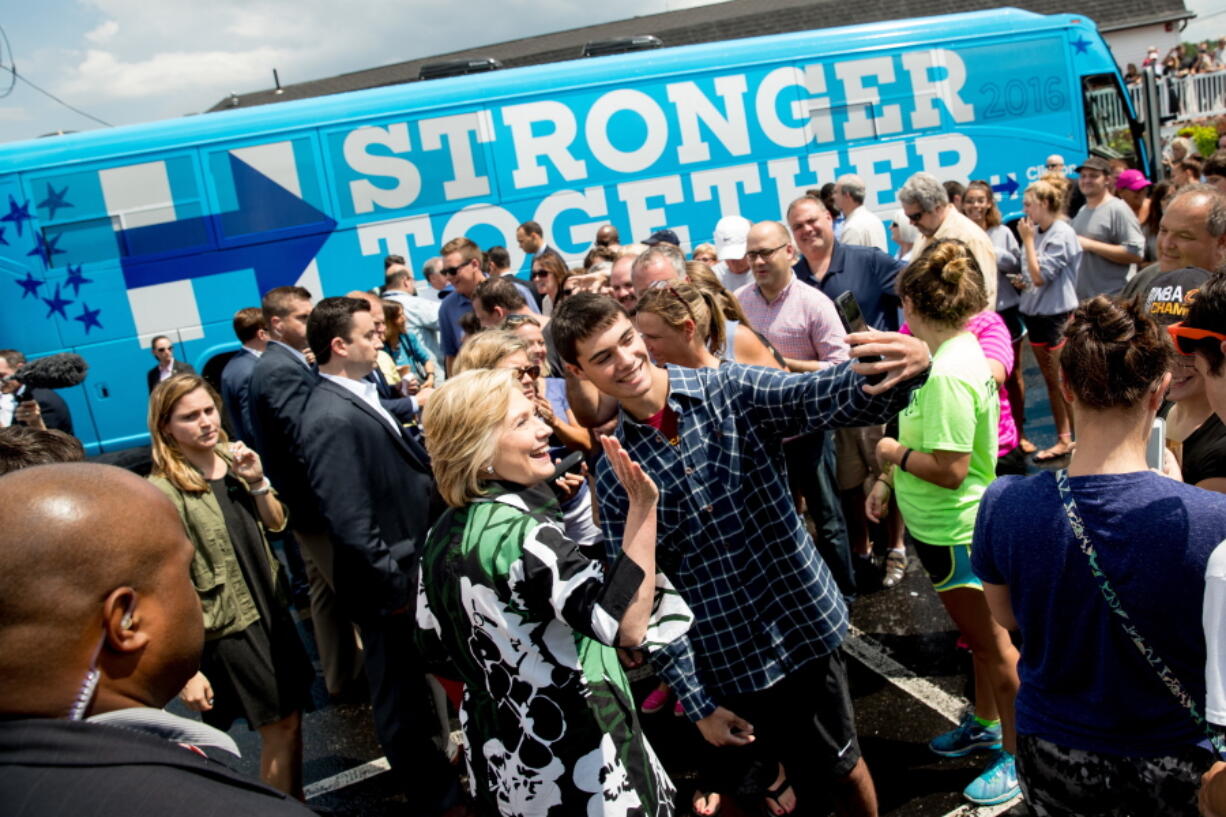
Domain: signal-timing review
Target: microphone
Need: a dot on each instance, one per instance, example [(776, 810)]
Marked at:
[(58, 371)]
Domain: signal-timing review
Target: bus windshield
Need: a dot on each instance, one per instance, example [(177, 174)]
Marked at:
[(1110, 128)]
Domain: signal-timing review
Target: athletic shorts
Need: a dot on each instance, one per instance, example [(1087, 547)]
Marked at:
[(1059, 781), (806, 721), (856, 455), (1011, 462), (948, 566), (1012, 316), (1047, 330)]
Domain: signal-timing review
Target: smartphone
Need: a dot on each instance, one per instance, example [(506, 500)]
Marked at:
[(853, 321), (569, 465), (1155, 449)]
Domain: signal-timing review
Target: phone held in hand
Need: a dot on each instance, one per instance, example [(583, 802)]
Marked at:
[(569, 465), (1155, 449), (853, 321)]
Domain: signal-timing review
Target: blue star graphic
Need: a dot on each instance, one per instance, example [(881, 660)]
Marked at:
[(56, 304), (30, 285), (1081, 44), (45, 248), (3, 240), (54, 201), (16, 214), (89, 317), (76, 279)]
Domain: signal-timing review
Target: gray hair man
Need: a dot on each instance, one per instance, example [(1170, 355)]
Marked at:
[(1192, 233), (926, 205), (663, 262)]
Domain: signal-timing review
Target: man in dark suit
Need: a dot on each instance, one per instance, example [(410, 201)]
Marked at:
[(21, 405), (280, 384), (167, 366), (116, 598), (376, 491), (251, 332)]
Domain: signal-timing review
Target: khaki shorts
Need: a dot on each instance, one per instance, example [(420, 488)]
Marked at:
[(856, 455)]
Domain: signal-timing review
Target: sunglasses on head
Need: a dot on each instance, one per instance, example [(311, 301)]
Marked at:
[(1187, 338)]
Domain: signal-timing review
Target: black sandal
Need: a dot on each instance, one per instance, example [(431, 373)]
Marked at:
[(775, 794)]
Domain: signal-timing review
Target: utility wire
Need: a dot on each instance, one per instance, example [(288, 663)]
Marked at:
[(8, 49), (11, 68)]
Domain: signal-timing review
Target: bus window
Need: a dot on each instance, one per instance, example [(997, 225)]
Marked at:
[(1110, 128)]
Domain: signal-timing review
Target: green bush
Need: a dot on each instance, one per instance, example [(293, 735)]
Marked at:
[(1205, 139)]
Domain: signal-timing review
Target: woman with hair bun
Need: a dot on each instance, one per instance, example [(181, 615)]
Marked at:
[(939, 467), (1065, 556)]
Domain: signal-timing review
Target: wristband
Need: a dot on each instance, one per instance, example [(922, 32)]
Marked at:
[(902, 464), (265, 487)]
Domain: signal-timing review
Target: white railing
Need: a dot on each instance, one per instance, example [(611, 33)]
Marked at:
[(1180, 97)]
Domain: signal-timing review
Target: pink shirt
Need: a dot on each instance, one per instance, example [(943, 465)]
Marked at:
[(993, 336), (801, 322)]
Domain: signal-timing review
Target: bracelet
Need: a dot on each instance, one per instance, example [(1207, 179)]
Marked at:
[(265, 487), (886, 483), (902, 464)]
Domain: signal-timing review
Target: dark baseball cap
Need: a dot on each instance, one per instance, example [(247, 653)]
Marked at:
[(1171, 293), (663, 237), (1095, 163)]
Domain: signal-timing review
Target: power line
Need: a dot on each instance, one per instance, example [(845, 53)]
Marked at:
[(13, 70)]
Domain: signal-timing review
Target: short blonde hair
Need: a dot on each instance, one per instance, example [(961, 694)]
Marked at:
[(461, 423), (485, 350)]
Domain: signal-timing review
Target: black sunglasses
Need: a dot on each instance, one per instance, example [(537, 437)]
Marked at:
[(533, 371), (449, 272)]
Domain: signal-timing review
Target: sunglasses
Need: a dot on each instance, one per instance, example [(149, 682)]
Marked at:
[(667, 285), (517, 319), (1186, 338), (914, 218), (449, 272), (533, 371), (538, 273)]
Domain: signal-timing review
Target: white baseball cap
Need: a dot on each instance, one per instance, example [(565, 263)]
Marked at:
[(730, 235)]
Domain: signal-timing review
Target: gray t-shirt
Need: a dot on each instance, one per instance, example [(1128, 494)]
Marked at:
[(1111, 222)]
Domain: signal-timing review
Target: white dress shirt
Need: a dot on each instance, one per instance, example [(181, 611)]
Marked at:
[(367, 392)]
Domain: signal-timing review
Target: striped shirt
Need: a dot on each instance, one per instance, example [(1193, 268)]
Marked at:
[(801, 322), (728, 534)]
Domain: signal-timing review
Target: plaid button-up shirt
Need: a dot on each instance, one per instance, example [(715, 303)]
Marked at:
[(728, 533)]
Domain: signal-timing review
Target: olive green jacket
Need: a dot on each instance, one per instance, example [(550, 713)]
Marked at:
[(227, 602)]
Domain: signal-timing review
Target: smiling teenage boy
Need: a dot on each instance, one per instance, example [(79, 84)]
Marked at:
[(763, 658)]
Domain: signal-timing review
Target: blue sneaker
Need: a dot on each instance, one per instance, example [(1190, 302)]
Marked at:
[(998, 783), (968, 737)]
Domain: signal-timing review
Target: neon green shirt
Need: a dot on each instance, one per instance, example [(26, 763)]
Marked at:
[(956, 410)]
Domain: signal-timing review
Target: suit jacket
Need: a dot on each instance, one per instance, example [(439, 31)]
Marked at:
[(278, 392), (376, 491), (176, 367), (60, 767), (52, 407), (236, 392)]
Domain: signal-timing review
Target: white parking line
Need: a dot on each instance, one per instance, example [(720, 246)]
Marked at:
[(868, 652), (348, 777)]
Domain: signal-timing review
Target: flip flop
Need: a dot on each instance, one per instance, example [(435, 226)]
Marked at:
[(1047, 455), (775, 794)]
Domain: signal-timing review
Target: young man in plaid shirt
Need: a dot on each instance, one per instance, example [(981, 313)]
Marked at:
[(761, 670)]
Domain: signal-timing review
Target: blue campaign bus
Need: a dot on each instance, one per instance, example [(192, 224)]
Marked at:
[(111, 237)]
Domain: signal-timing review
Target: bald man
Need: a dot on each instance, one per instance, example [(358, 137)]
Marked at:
[(85, 588)]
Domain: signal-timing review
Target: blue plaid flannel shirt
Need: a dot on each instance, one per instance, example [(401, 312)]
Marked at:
[(728, 533)]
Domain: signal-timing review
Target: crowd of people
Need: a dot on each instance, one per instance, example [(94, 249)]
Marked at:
[(495, 496)]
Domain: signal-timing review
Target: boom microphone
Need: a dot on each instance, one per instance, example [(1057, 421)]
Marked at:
[(52, 372)]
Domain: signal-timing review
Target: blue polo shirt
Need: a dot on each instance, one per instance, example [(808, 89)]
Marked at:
[(455, 305), (866, 272)]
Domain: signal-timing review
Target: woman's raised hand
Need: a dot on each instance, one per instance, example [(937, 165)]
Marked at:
[(639, 488)]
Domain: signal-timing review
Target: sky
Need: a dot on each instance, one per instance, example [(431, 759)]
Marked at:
[(127, 61)]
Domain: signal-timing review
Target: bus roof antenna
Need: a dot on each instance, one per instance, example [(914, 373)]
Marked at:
[(277, 81)]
